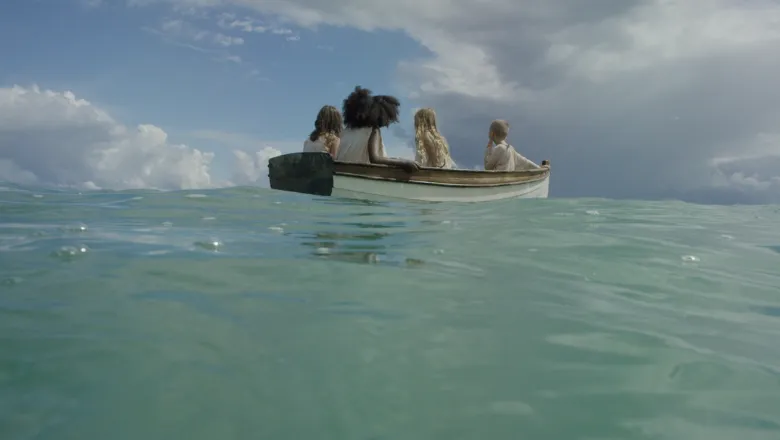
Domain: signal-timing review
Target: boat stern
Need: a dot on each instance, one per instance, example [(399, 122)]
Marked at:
[(306, 173)]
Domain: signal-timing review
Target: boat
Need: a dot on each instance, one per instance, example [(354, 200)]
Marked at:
[(318, 174)]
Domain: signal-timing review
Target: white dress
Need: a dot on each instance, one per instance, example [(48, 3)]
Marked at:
[(317, 146), (353, 146)]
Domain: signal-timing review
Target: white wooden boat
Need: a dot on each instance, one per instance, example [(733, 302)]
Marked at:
[(319, 174)]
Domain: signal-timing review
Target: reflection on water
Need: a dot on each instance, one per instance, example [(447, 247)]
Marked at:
[(351, 202), (364, 237), (356, 248), (331, 253)]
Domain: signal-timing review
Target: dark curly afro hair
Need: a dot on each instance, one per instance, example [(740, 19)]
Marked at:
[(361, 109)]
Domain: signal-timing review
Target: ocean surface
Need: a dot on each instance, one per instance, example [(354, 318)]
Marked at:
[(247, 313)]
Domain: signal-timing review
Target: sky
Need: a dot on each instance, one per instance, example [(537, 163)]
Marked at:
[(639, 99)]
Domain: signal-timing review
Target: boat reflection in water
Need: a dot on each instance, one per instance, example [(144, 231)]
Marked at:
[(357, 248), (347, 248)]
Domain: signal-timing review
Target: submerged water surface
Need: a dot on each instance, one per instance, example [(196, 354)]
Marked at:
[(253, 314)]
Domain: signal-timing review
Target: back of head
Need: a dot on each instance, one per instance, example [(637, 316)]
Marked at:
[(425, 130), (425, 119), (328, 122), (500, 129), (362, 109)]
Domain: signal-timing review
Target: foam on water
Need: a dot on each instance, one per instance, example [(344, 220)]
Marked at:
[(249, 313)]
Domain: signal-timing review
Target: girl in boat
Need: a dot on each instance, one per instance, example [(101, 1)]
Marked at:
[(364, 117), (327, 130), (501, 156), (432, 149)]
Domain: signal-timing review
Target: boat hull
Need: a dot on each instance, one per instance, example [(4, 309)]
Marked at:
[(371, 189), (318, 174)]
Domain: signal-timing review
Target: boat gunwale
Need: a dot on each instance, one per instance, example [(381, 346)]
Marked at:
[(456, 185), (488, 178)]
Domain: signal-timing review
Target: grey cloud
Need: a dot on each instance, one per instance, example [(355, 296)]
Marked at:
[(402, 133), (627, 98), (54, 138), (647, 133), (615, 140)]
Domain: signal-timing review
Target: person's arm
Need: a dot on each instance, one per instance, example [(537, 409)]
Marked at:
[(334, 149), (523, 163), (421, 155), (375, 157)]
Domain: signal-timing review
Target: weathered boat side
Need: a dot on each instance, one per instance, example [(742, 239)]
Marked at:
[(438, 176), (318, 174), (307, 173), (380, 189)]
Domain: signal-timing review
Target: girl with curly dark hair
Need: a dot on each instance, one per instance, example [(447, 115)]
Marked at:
[(327, 130), (361, 140)]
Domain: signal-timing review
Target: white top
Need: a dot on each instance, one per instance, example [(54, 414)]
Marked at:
[(353, 146), (317, 146), (504, 157)]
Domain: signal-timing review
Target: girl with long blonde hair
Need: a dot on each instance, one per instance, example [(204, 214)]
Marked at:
[(431, 147)]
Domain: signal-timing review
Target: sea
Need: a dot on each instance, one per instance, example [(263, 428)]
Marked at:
[(247, 313)]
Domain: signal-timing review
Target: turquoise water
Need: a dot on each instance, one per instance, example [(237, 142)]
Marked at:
[(253, 314)]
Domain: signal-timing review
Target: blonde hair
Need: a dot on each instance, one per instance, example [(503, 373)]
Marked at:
[(425, 128), (500, 129)]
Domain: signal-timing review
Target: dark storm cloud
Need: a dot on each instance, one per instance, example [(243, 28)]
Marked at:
[(614, 140), (628, 98)]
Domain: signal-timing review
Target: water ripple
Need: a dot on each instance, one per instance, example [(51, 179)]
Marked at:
[(249, 313)]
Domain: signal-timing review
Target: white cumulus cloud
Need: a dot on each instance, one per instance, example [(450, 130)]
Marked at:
[(56, 139), (253, 169)]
